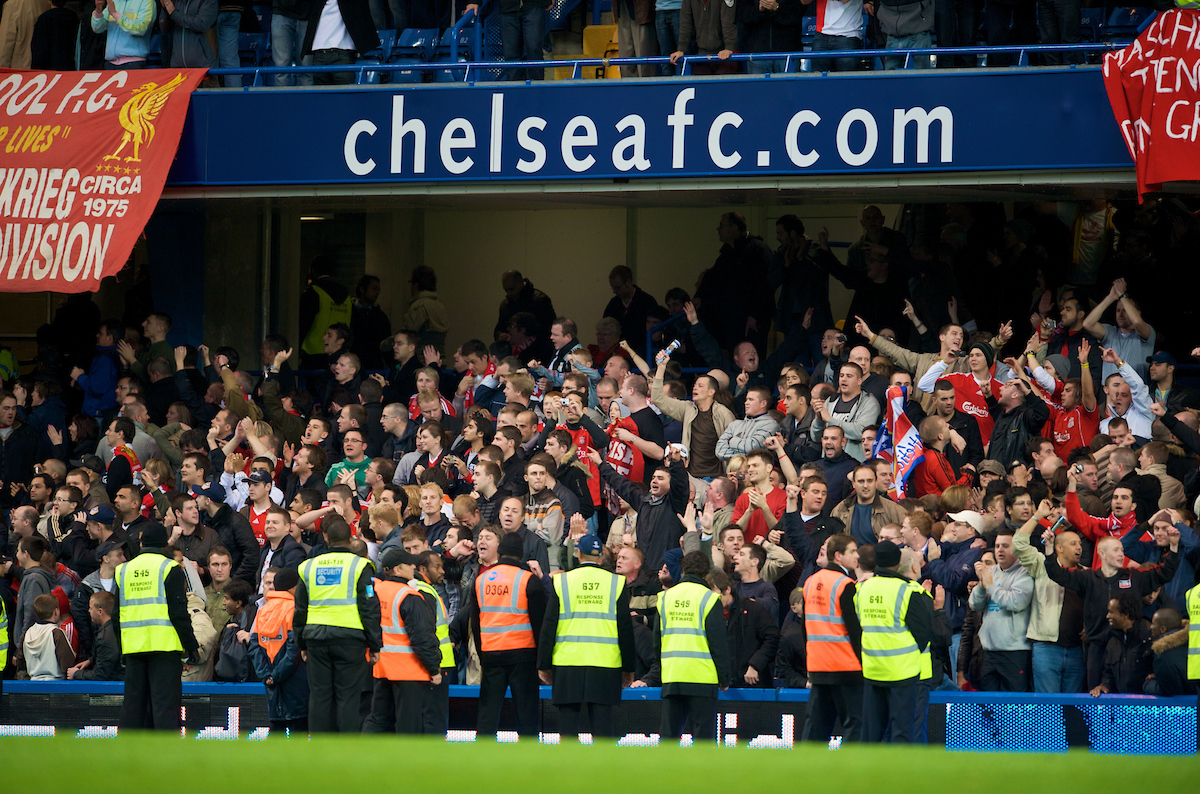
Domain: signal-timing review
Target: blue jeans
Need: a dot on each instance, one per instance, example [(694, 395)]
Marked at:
[(1058, 669), (521, 35), (287, 39), (228, 24), (824, 43), (955, 642), (666, 24), (911, 42), (768, 67)]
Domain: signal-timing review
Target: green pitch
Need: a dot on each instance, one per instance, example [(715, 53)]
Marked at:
[(372, 763)]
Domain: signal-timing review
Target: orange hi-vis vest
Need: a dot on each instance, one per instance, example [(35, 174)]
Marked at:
[(274, 621), (504, 609), (397, 662), (828, 648)]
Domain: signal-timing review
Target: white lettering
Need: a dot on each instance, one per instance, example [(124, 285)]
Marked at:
[(634, 145), (401, 128), (451, 140), (923, 119), (495, 163), (78, 90), (97, 101), (1171, 114), (791, 139), (30, 89), (531, 145), (571, 138), (66, 195), (349, 148), (719, 158), (37, 106), (678, 121), (51, 190), (850, 157)]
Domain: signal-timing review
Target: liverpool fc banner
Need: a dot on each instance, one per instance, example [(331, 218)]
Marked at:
[(83, 160)]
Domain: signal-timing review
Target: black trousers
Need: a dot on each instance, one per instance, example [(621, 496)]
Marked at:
[(436, 711), (694, 714), (599, 721), (1094, 657), (153, 691), (1006, 671), (891, 709), (337, 675), (494, 680), (827, 703), (397, 705)]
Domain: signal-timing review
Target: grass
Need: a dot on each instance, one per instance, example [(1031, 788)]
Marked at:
[(331, 764)]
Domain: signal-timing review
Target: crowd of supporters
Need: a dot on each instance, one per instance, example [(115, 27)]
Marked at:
[(1051, 517)]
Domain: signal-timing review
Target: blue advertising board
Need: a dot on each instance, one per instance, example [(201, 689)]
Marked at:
[(783, 126)]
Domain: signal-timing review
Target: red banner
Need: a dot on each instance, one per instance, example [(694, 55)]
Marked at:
[(1154, 88), (84, 159)]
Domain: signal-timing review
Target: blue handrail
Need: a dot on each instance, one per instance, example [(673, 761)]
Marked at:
[(472, 68), (476, 54)]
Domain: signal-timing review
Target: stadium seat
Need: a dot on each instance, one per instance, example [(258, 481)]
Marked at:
[(251, 48), (1124, 23), (442, 55), (415, 45), (387, 38), (1091, 24)]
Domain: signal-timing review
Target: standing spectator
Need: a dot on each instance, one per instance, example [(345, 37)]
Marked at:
[(427, 315), (835, 464), (276, 659), (1167, 389), (54, 39), (743, 436), (105, 663), (1070, 337), (803, 287), (289, 23), (897, 629), (45, 648), (760, 507), (1132, 337), (658, 511), (839, 27), (751, 633), (907, 26), (16, 32), (35, 581), (185, 33), (338, 32), (866, 511), (521, 296), (950, 564), (854, 411), (368, 324), (935, 474), (704, 420), (730, 299), (229, 22), (1002, 15), (1004, 594), (957, 23), (636, 37), (1016, 418), (769, 26), (666, 24), (1058, 23), (522, 25), (325, 302), (714, 26), (1128, 657), (100, 381), (18, 451), (1170, 649), (630, 305)]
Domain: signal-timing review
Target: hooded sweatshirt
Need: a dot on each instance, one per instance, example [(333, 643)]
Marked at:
[(1007, 602), (47, 652)]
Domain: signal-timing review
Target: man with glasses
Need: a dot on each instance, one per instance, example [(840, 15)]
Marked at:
[(354, 447)]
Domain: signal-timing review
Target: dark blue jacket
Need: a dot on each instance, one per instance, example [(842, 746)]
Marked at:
[(100, 383), (287, 699), (953, 571), (51, 413)]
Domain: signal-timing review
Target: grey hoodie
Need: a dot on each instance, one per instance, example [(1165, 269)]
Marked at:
[(34, 582), (1006, 609)]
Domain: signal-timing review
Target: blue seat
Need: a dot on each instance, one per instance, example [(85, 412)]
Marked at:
[(379, 55), (1124, 23), (442, 55), (1091, 24), (251, 47), (414, 45)]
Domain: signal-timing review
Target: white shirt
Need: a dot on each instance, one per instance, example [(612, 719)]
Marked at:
[(1138, 416), (835, 18), (331, 29)]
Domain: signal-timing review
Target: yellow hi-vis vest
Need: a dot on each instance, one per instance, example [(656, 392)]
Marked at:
[(587, 618), (889, 652), (332, 584), (328, 313), (3, 637), (443, 625), (1193, 607), (145, 624), (685, 656)]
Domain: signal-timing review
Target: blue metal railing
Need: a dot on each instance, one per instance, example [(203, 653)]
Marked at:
[(473, 70)]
